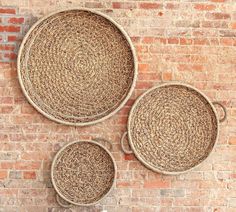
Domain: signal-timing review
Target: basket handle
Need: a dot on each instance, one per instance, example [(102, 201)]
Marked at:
[(104, 141), (224, 110), (61, 204), (126, 151)]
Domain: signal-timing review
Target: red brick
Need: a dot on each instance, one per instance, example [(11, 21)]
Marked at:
[(186, 41), (6, 165), (10, 56), (173, 40), (148, 40), (149, 76), (123, 5), (233, 176), (129, 157), (28, 109), (234, 25), (218, 16), (128, 184), (190, 67), (143, 85), (198, 55), (11, 38), (232, 141), (167, 76), (143, 67), (204, 6), (156, 184), (218, 1), (34, 156), (7, 47), (172, 6), (29, 175), (9, 28), (135, 39), (10, 74), (141, 49), (6, 109), (16, 20), (7, 10), (3, 174), (8, 192), (201, 41), (150, 5), (6, 100), (227, 41), (27, 165)]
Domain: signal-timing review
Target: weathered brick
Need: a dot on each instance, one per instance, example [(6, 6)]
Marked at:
[(7, 47), (218, 16), (124, 5), (3, 174), (10, 56), (29, 175), (218, 1), (15, 174), (27, 165), (150, 5), (232, 141), (204, 6), (172, 6), (191, 41), (233, 25), (6, 165), (156, 184), (143, 67)]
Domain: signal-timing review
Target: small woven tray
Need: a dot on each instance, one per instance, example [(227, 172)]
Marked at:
[(77, 66), (172, 128), (83, 173)]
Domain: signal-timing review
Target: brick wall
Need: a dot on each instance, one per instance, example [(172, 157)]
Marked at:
[(190, 41)]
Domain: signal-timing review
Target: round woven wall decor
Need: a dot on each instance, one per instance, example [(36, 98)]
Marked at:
[(172, 128), (83, 173), (77, 66)]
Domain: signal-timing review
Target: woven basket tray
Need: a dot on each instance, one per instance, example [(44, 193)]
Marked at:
[(172, 128), (77, 66), (83, 173)]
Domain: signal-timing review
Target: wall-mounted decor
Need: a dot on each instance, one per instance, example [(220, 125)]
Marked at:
[(83, 173), (77, 66), (172, 128)]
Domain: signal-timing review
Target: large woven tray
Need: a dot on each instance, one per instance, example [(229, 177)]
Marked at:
[(83, 173), (172, 128), (77, 66)]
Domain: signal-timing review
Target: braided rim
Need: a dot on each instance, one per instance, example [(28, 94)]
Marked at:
[(61, 150), (130, 118), (122, 103)]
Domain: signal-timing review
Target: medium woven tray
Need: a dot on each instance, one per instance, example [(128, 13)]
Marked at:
[(83, 173), (77, 66), (172, 128)]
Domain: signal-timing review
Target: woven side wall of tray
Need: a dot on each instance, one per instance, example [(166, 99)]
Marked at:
[(83, 172), (77, 66), (172, 128)]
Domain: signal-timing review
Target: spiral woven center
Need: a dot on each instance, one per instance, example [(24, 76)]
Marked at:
[(83, 173), (173, 128), (76, 66)]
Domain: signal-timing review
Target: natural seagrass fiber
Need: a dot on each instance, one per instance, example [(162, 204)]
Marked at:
[(77, 67), (83, 172), (172, 128)]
